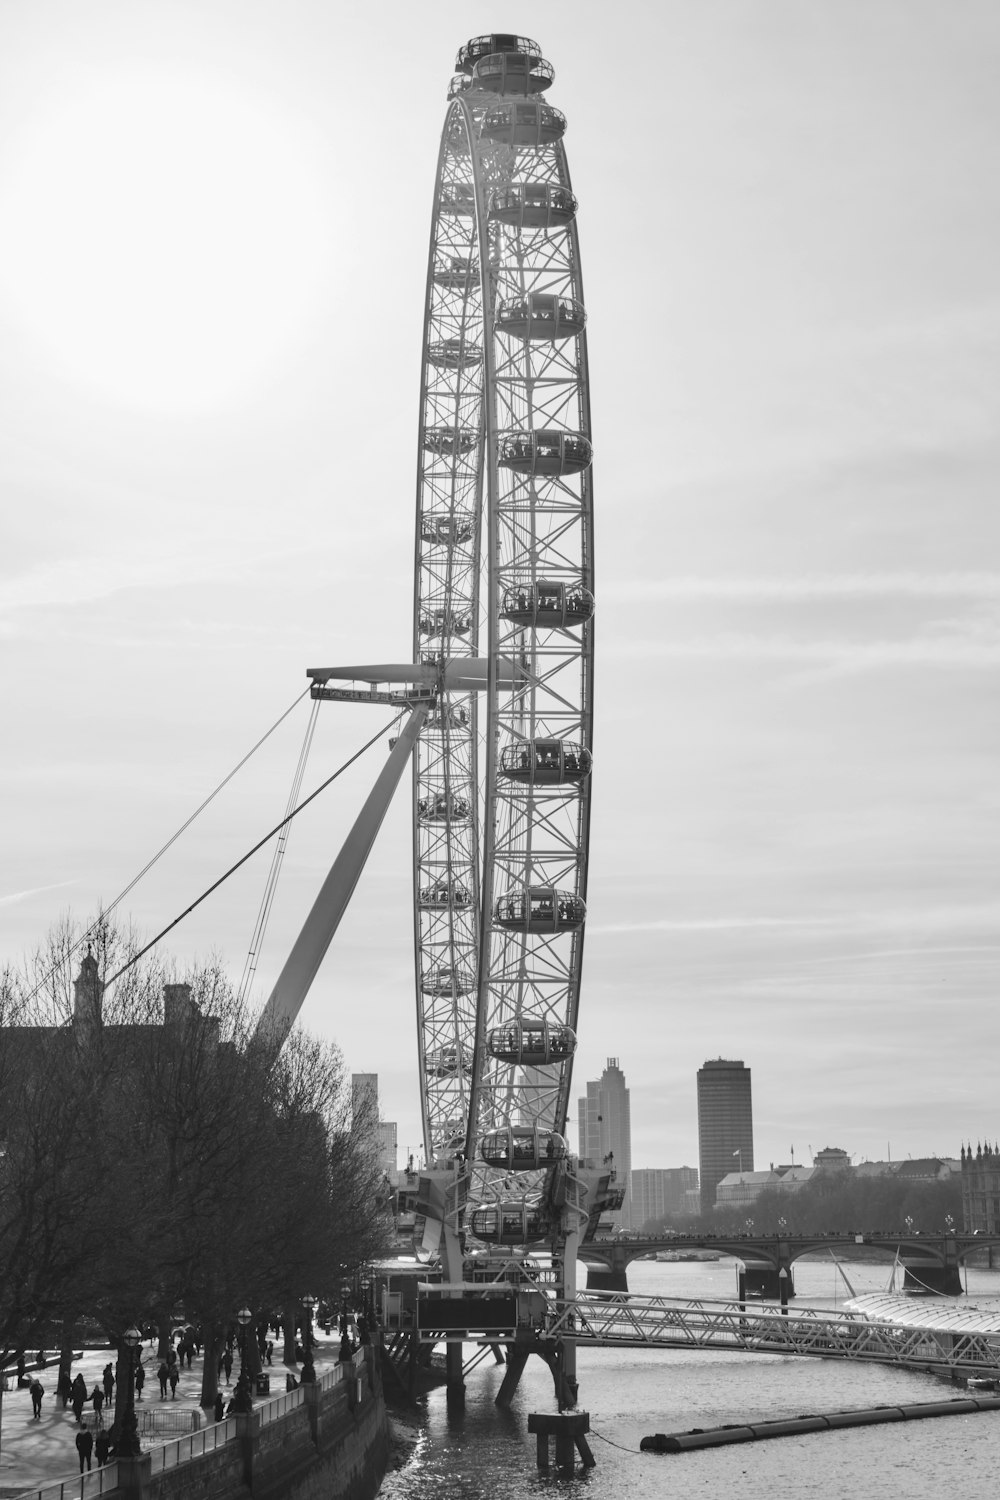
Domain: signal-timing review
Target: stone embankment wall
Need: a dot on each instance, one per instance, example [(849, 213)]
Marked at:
[(334, 1442)]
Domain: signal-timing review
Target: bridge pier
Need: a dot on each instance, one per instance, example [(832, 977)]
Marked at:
[(612, 1276), (758, 1278), (928, 1276)]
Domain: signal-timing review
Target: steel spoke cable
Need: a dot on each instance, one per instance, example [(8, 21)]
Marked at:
[(251, 852), (94, 928), (271, 885)]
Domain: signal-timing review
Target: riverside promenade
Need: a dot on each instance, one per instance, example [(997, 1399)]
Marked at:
[(35, 1454)]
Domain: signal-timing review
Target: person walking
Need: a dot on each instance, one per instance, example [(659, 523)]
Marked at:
[(108, 1377), (97, 1396), (220, 1406), (85, 1446), (173, 1377), (79, 1398), (64, 1386), (227, 1363), (140, 1380), (101, 1445), (161, 1375), (36, 1390)]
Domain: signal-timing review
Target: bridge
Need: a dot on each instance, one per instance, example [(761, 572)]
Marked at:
[(930, 1262), (659, 1322)]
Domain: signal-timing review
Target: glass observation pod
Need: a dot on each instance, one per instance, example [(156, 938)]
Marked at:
[(548, 603), (451, 717), (532, 1042), (448, 1062), (542, 316), (522, 1148), (447, 979), (512, 73), (444, 894), (458, 85), (458, 274), (448, 441), (533, 205), (510, 1223), (526, 123), (542, 909), (447, 530), (447, 807), (497, 41), (458, 200), (545, 762), (546, 452), (446, 622), (454, 354)]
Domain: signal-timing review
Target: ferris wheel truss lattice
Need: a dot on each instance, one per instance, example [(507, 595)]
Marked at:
[(503, 579)]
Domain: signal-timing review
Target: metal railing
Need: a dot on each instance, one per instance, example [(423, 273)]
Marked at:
[(623, 1320), (280, 1406), (80, 1487), (195, 1445)]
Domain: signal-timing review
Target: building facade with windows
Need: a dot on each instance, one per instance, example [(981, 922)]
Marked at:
[(660, 1193), (606, 1131), (725, 1125)]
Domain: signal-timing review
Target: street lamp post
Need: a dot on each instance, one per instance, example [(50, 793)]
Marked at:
[(244, 1318), (345, 1292), (949, 1224), (308, 1368), (128, 1439)]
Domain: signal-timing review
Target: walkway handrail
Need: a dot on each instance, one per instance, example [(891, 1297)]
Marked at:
[(194, 1445), (752, 1326), (80, 1487)]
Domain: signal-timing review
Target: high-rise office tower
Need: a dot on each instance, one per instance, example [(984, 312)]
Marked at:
[(606, 1130), (382, 1133), (725, 1125)]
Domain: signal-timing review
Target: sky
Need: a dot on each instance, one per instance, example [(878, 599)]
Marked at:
[(212, 265)]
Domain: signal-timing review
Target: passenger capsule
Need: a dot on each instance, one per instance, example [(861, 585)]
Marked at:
[(545, 762), (547, 602), (447, 979), (533, 205), (528, 123), (447, 530), (496, 41), (447, 716), (447, 1062), (542, 316), (512, 73), (458, 200), (514, 1222), (446, 622), (449, 441), (443, 894), (447, 807), (459, 272), (540, 909), (522, 1148), (532, 1042), (546, 452), (454, 354), (459, 84)]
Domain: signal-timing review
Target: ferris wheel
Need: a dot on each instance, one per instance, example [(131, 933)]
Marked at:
[(503, 623)]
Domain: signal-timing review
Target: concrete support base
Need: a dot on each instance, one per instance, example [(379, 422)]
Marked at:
[(568, 1429)]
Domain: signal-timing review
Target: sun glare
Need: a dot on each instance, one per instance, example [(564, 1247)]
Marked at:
[(166, 237)]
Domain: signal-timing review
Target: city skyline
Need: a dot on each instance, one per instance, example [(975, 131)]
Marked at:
[(210, 368)]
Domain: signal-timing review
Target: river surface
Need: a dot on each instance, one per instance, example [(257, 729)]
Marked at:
[(483, 1452)]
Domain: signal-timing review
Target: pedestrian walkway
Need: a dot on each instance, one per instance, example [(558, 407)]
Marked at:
[(33, 1453)]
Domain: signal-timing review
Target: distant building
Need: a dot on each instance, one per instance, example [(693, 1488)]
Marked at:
[(831, 1159), (606, 1131), (981, 1189), (740, 1189), (725, 1125), (660, 1192), (365, 1108)]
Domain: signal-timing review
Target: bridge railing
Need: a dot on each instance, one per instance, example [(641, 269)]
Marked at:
[(626, 1320)]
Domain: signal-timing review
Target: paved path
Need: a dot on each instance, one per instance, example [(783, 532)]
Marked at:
[(34, 1453)]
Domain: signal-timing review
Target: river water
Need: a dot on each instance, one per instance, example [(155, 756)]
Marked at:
[(483, 1452)]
